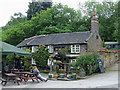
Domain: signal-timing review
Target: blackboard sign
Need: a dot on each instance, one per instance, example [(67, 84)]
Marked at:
[(101, 66)]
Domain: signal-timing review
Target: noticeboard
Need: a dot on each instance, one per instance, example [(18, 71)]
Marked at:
[(101, 66)]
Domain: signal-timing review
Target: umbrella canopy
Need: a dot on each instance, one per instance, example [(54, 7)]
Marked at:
[(7, 49)]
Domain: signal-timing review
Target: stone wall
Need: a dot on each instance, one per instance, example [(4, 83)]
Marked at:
[(83, 49), (94, 42), (109, 57)]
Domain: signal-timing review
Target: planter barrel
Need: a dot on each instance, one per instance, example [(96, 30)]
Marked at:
[(82, 74), (62, 75), (74, 76)]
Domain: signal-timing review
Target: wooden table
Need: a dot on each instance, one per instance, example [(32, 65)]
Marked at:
[(26, 76), (11, 77), (14, 70)]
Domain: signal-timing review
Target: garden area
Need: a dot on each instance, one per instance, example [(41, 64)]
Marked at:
[(85, 65)]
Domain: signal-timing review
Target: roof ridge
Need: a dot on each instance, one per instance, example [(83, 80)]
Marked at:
[(68, 33), (34, 37)]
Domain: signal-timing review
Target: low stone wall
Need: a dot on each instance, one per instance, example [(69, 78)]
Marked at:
[(109, 57)]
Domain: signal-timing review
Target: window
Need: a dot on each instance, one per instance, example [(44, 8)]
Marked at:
[(50, 48), (33, 62), (34, 48), (75, 48), (73, 60)]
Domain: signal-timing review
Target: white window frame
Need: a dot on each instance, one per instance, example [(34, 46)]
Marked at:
[(75, 48), (33, 61), (73, 60), (34, 48), (50, 49)]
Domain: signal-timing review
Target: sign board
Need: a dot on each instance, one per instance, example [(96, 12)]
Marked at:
[(101, 66)]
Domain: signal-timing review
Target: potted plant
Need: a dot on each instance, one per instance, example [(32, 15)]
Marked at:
[(82, 72), (62, 75), (74, 75), (69, 76), (50, 75)]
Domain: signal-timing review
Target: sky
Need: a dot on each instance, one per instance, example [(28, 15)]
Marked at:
[(9, 7)]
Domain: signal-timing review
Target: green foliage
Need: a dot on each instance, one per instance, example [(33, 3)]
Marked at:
[(36, 7), (103, 43), (106, 12), (88, 62), (60, 19), (10, 58), (27, 64), (64, 51), (17, 18), (57, 69), (41, 56)]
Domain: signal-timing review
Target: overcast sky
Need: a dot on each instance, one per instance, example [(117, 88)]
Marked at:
[(9, 7)]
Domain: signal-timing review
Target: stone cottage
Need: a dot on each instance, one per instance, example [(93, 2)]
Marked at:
[(78, 42)]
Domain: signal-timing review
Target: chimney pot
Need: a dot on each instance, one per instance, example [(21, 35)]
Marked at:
[(93, 14)]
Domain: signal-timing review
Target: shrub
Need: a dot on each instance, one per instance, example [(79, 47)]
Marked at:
[(88, 62), (41, 56)]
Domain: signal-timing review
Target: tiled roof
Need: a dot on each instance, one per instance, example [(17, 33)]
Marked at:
[(61, 38)]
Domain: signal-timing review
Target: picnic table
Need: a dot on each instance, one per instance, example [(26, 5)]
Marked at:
[(13, 70), (10, 77), (27, 76)]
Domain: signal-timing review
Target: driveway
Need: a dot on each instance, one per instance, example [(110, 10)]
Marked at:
[(108, 79)]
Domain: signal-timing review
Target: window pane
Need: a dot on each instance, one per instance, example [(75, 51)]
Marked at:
[(77, 48)]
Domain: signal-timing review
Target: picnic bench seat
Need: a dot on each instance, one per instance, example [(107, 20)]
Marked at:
[(18, 80), (3, 81)]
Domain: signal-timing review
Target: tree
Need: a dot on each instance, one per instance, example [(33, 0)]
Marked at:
[(117, 23), (36, 7), (105, 14), (41, 56), (15, 20)]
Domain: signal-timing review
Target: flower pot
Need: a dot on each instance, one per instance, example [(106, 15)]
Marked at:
[(50, 76), (62, 75), (82, 74), (70, 76), (74, 76)]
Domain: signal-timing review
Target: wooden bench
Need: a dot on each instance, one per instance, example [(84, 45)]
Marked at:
[(4, 81), (18, 80)]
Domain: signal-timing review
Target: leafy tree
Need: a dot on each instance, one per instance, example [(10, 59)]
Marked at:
[(117, 23), (15, 19), (60, 19), (88, 62), (41, 56), (36, 7), (105, 14)]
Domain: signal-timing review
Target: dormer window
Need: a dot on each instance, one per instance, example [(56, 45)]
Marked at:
[(75, 48)]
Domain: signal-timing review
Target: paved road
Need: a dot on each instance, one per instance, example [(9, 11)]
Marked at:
[(103, 80)]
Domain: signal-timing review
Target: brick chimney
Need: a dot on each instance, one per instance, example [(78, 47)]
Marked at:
[(94, 24)]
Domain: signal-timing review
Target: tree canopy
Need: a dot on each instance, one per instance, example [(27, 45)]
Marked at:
[(36, 7), (60, 18)]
